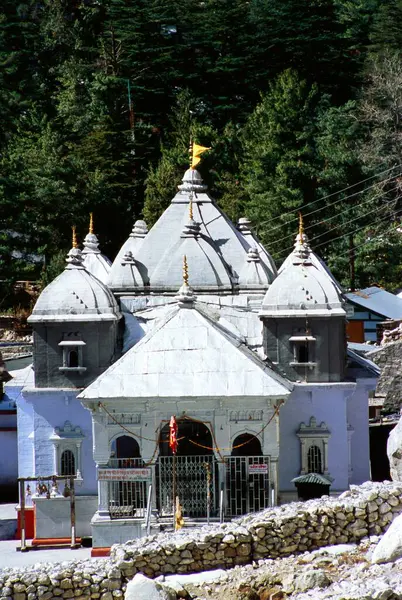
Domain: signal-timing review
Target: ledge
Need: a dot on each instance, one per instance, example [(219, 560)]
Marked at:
[(72, 369)]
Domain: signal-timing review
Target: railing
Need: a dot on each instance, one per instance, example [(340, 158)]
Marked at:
[(127, 499)]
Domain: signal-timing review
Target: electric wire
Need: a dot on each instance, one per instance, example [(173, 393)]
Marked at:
[(364, 214), (291, 212), (346, 235), (306, 228)]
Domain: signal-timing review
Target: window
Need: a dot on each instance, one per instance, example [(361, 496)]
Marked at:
[(67, 463), (67, 441), (72, 358), (72, 353), (303, 348), (314, 462), (314, 447)]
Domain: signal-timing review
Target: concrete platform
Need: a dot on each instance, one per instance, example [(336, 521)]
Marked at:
[(9, 557), (8, 521)]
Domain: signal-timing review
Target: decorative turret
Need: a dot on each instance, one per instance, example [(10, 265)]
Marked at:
[(75, 322), (244, 226), (302, 241), (255, 274), (304, 319), (94, 261), (121, 279)]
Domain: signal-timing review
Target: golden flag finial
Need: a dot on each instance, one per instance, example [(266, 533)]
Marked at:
[(196, 153), (190, 209), (301, 225), (185, 270), (75, 244), (91, 222)]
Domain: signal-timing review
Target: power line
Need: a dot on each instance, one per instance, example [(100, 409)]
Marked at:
[(376, 209), (291, 212), (275, 242)]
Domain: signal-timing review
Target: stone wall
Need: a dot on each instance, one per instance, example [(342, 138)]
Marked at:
[(364, 510)]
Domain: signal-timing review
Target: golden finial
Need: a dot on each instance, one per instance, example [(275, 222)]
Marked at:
[(301, 225), (185, 270), (190, 152), (190, 209), (91, 222), (75, 244)]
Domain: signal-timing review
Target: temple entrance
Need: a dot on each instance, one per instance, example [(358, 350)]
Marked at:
[(195, 469), (248, 487)]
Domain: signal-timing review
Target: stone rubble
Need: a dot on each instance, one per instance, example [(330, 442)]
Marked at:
[(276, 549)]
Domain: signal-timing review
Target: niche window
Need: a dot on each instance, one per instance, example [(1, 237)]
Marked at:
[(303, 348), (72, 353), (67, 441), (314, 447)]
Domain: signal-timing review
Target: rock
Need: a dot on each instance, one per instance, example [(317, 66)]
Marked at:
[(142, 588), (314, 578), (394, 452), (390, 546)]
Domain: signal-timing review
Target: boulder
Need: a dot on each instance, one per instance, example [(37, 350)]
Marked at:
[(394, 452), (314, 578), (142, 588), (389, 548)]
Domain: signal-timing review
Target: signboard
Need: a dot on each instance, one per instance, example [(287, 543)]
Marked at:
[(258, 469), (124, 474)]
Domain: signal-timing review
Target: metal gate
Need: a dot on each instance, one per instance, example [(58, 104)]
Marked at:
[(191, 485), (248, 484)]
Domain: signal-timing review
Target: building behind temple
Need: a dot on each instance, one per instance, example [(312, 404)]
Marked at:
[(192, 319)]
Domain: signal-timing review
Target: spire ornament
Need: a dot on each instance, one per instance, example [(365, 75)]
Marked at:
[(91, 222), (185, 296), (301, 226), (75, 243), (185, 270)]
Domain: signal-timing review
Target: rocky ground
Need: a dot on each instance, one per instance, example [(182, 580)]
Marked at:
[(342, 572)]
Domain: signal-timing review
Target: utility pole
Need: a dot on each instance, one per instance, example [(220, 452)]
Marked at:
[(352, 263)]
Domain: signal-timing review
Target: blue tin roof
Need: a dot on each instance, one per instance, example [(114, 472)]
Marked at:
[(379, 301)]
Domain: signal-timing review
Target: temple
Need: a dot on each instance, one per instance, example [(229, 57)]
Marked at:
[(192, 320)]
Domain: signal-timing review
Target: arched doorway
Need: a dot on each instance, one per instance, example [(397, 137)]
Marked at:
[(194, 469), (127, 498), (247, 476)]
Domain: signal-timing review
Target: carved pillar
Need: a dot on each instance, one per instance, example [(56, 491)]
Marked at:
[(101, 453)]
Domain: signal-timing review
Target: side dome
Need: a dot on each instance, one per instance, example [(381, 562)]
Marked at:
[(93, 260), (302, 289), (75, 295), (121, 278)]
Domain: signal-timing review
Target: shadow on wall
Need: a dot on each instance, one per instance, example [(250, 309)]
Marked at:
[(378, 452)]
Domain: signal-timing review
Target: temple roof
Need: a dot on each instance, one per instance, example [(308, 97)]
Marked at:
[(217, 247), (302, 288), (188, 354), (75, 295)]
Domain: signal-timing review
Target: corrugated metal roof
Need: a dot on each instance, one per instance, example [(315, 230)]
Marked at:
[(313, 478), (379, 301)]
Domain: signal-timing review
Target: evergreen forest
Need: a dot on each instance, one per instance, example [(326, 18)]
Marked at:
[(300, 102)]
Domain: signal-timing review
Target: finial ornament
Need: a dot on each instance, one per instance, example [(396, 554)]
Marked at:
[(91, 222), (301, 225), (185, 270), (75, 244), (190, 208)]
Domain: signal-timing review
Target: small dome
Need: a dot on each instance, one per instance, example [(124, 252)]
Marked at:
[(75, 295), (255, 275), (93, 260), (244, 226), (131, 245), (302, 238), (302, 289)]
